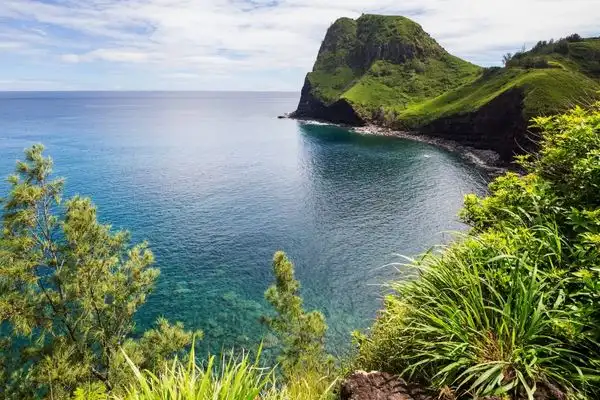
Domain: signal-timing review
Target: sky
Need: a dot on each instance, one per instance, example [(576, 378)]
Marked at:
[(242, 44)]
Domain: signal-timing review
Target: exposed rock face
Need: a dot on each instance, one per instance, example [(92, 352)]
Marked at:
[(384, 386), (380, 386), (387, 71), (340, 112), (498, 125)]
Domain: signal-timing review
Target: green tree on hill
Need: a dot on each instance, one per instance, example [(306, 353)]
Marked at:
[(69, 288)]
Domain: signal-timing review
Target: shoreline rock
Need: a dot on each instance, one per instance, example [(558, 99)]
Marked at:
[(488, 160)]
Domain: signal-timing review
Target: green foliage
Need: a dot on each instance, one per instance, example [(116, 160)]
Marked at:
[(230, 378), (302, 334), (379, 30), (69, 288), (514, 307), (235, 379), (573, 52), (352, 65), (395, 74), (91, 391)]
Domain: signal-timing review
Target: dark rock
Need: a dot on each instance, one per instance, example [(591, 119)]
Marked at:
[(380, 386), (499, 126), (548, 391), (340, 112)]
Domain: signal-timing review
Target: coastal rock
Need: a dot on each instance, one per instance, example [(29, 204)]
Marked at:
[(376, 385), (386, 70), (498, 126), (380, 386), (310, 107)]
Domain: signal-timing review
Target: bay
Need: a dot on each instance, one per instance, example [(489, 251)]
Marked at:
[(216, 184)]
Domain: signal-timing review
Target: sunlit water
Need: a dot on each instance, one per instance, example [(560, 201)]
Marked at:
[(217, 184)]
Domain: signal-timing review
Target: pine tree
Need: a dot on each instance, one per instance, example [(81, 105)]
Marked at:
[(69, 288), (302, 334)]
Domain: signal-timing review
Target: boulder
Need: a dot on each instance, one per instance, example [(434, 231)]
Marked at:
[(363, 385)]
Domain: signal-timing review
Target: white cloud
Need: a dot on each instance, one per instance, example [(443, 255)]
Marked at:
[(111, 55), (11, 45), (181, 75), (240, 39), (38, 84)]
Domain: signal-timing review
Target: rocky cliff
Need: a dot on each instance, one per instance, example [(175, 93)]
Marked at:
[(388, 71)]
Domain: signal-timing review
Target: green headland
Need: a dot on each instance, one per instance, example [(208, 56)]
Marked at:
[(386, 70)]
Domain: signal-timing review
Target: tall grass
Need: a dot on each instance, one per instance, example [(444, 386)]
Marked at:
[(230, 378), (235, 378), (483, 322)]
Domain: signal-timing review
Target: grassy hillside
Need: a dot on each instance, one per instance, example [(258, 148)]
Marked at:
[(558, 82), (392, 72), (384, 60), (546, 91)]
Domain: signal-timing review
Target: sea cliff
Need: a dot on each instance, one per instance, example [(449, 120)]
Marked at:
[(387, 71)]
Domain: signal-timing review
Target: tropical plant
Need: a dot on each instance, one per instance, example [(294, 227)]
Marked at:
[(229, 378), (69, 288), (513, 308)]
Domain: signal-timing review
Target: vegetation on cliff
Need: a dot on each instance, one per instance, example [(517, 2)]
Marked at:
[(511, 309), (377, 61), (391, 72), (551, 80)]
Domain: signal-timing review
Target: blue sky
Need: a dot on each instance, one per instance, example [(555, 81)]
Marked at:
[(241, 44)]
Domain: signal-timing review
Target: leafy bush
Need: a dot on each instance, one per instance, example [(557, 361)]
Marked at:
[(514, 307)]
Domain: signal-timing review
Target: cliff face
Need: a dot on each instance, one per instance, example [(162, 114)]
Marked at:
[(387, 70), (498, 125), (311, 107)]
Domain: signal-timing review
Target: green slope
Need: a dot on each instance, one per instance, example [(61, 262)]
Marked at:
[(392, 72), (384, 60), (565, 80), (546, 91)]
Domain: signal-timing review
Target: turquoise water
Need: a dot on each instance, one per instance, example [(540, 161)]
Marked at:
[(217, 184)]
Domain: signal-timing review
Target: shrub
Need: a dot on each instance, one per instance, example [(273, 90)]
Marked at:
[(574, 38), (514, 307)]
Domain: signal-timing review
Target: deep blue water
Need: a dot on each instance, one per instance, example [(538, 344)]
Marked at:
[(217, 184)]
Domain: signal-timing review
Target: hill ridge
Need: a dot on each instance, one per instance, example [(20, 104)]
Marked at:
[(387, 70)]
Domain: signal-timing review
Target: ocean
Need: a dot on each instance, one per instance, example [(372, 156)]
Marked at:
[(216, 184)]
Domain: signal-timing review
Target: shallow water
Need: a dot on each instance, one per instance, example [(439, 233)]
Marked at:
[(217, 184)]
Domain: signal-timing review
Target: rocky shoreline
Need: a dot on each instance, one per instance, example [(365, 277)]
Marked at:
[(485, 159), (488, 160)]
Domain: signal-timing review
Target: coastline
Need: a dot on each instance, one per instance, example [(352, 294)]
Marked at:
[(487, 160)]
